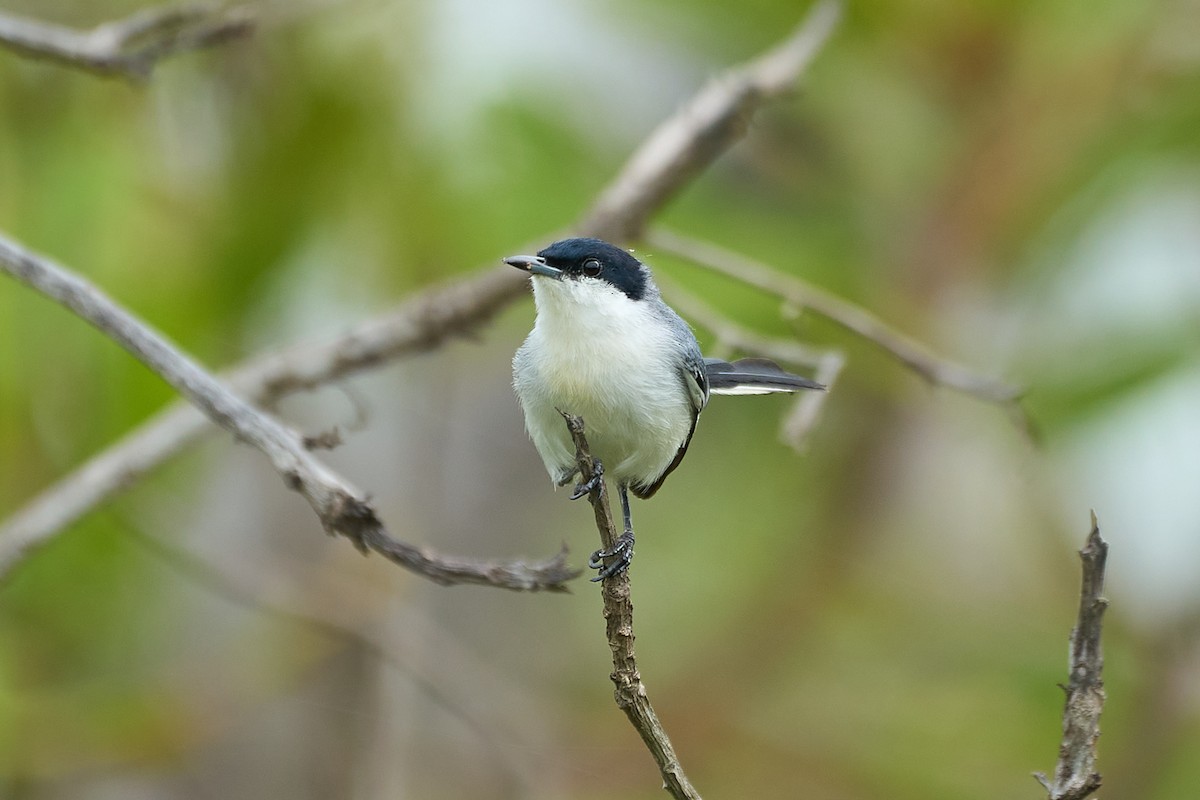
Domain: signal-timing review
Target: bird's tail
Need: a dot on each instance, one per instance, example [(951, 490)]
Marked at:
[(753, 376)]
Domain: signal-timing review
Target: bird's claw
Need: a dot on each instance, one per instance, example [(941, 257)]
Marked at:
[(621, 554), (583, 488)]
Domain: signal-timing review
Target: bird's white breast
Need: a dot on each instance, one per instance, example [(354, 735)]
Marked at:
[(596, 353)]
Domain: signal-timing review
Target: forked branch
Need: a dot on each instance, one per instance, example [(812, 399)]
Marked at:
[(853, 318), (132, 46), (342, 508)]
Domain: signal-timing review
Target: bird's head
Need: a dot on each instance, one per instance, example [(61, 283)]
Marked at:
[(588, 261)]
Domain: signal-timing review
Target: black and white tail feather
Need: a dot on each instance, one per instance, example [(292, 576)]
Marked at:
[(753, 376)]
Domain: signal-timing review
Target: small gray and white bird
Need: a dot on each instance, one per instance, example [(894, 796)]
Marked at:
[(605, 347)]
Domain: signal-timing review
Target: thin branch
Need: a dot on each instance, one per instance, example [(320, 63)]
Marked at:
[(856, 319), (1075, 776), (807, 408), (427, 320), (673, 155), (342, 508), (130, 47), (423, 322), (731, 338), (630, 692)]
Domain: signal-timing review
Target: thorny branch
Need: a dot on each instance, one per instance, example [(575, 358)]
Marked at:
[(684, 147), (630, 692), (130, 47), (1075, 776)]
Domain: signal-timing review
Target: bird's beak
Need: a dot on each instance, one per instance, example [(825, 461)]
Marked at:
[(535, 265)]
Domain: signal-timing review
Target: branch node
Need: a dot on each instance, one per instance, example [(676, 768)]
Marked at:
[(132, 46), (325, 440), (354, 519)]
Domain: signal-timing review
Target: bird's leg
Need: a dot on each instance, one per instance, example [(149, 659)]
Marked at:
[(583, 488), (622, 550)]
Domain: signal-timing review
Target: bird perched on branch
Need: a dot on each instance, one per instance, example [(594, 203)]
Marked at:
[(605, 347)]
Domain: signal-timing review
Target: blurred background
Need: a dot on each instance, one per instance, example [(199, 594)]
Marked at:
[(885, 614)]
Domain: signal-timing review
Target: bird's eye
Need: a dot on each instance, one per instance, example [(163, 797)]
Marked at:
[(592, 267)]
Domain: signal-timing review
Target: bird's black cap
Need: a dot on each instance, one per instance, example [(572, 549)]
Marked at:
[(597, 259)]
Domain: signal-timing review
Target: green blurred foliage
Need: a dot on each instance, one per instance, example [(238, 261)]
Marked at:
[(883, 615)]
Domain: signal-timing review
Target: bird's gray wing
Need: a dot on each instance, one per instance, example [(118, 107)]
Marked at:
[(694, 378)]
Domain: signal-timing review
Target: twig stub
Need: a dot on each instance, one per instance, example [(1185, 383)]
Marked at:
[(1075, 776)]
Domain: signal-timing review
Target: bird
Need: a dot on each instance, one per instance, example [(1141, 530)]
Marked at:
[(606, 347)]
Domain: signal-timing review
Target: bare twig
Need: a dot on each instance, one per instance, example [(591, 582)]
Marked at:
[(807, 407), (130, 47), (673, 155), (1075, 776), (630, 692), (854, 318), (731, 338), (422, 323), (343, 509)]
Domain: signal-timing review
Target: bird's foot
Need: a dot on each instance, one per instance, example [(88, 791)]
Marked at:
[(583, 488), (621, 554)]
